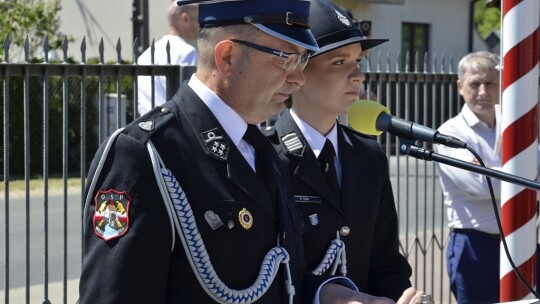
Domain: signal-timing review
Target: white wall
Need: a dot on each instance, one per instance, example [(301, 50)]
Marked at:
[(448, 20), (110, 20)]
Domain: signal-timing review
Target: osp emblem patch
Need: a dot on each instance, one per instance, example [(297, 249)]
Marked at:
[(111, 218)]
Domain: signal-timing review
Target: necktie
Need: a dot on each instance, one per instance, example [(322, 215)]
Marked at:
[(263, 159), (328, 168)]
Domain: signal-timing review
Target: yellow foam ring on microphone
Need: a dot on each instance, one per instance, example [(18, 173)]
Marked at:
[(363, 116)]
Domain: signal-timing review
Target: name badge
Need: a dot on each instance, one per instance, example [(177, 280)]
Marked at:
[(307, 199)]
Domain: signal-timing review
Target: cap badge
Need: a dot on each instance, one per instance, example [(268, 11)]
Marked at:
[(344, 20), (216, 144), (111, 218), (245, 218)]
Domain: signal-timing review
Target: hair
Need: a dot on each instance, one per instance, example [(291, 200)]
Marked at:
[(209, 37), (174, 11), (482, 60)]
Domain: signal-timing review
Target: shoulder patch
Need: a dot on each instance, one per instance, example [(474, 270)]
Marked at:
[(111, 219), (292, 143)]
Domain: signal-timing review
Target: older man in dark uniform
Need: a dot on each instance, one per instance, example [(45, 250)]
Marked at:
[(205, 214)]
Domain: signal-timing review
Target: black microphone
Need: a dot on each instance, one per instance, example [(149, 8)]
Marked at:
[(372, 118)]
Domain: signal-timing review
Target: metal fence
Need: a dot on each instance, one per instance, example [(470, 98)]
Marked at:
[(55, 114)]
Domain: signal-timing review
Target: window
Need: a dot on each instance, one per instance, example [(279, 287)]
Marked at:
[(414, 40)]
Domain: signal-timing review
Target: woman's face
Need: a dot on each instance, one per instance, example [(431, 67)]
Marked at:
[(332, 81)]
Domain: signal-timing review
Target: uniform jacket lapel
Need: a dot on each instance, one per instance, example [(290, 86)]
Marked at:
[(238, 170), (355, 172), (306, 166)]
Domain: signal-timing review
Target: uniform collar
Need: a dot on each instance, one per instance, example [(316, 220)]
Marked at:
[(231, 122), (315, 139)]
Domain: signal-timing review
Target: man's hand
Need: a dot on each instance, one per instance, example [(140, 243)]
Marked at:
[(411, 296), (337, 294)]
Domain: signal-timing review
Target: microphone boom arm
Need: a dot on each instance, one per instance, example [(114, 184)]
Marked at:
[(408, 147)]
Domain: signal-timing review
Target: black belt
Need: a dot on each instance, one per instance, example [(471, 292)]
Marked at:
[(494, 236)]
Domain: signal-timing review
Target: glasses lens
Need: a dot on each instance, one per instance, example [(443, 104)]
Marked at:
[(294, 60), (304, 59), (290, 62)]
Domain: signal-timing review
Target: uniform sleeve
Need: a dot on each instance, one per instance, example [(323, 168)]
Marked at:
[(125, 254), (389, 271)]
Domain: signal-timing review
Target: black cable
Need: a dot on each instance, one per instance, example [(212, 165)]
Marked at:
[(498, 219)]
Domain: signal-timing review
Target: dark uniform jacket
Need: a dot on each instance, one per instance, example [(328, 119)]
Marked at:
[(143, 265), (366, 215)]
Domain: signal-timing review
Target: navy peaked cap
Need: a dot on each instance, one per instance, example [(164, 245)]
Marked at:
[(334, 28), (284, 19)]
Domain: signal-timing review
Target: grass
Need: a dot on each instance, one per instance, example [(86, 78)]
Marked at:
[(18, 187)]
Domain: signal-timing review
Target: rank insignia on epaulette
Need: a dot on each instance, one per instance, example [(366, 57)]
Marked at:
[(147, 125), (111, 218), (292, 143), (216, 143)]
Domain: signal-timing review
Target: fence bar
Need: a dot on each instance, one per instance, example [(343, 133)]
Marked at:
[(26, 111), (65, 152), (46, 177), (6, 176)]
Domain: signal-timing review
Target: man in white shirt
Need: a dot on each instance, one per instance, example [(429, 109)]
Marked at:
[(474, 244), (181, 36)]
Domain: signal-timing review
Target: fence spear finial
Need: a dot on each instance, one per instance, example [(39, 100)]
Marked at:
[(119, 51), (46, 49), (83, 50), (6, 48)]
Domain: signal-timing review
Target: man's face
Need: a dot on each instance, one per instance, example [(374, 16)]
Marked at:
[(262, 84), (480, 90)]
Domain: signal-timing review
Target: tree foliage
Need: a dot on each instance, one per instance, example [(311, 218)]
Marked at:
[(35, 19), (487, 19)]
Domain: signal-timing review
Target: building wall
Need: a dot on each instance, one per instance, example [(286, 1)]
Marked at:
[(448, 30), (110, 20)]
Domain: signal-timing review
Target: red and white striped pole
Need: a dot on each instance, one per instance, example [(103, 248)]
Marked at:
[(519, 150)]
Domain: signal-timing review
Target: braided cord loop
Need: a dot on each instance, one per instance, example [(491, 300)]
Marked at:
[(335, 254), (200, 260)]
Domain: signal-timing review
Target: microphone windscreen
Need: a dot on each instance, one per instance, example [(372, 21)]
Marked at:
[(363, 116)]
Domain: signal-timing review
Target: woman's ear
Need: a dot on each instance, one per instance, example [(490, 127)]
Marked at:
[(223, 55)]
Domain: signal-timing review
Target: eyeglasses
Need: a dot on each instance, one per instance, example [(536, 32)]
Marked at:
[(290, 60)]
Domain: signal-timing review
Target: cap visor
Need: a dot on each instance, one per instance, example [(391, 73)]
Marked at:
[(295, 35), (366, 44), (371, 43)]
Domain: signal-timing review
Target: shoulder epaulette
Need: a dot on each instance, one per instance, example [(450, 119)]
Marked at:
[(145, 126)]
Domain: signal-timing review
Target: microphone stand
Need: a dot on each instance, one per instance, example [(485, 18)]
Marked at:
[(409, 147)]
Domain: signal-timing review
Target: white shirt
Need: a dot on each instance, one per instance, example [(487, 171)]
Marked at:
[(316, 141), (181, 52), (232, 123), (466, 194)]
